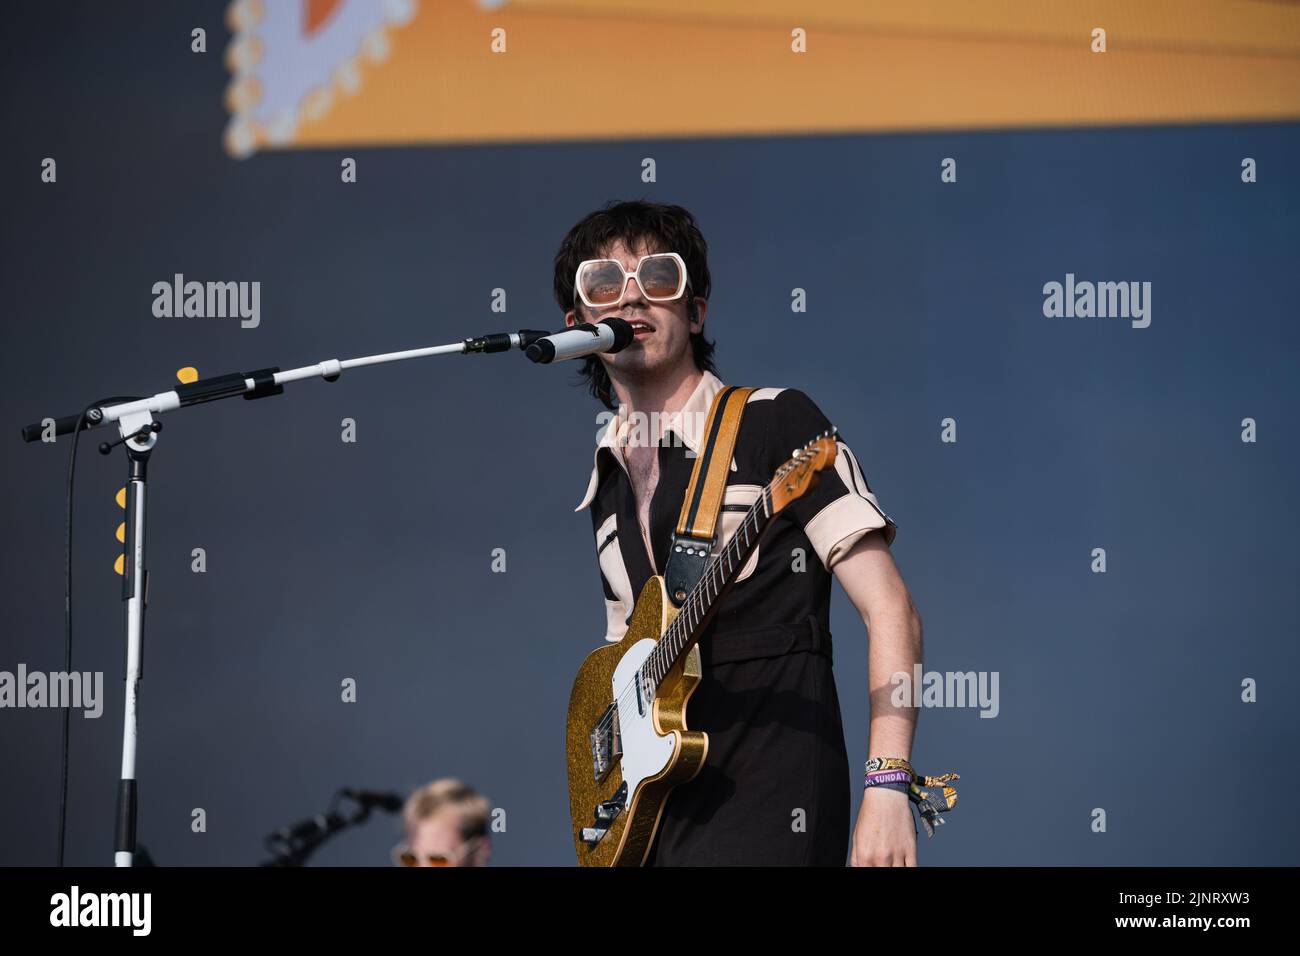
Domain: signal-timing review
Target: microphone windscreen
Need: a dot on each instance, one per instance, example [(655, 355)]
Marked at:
[(623, 333)]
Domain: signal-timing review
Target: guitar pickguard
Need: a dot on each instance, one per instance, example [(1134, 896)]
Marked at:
[(646, 752)]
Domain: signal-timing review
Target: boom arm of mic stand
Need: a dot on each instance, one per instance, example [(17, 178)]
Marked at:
[(267, 381)]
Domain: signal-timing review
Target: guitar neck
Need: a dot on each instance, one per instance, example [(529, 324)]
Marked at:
[(700, 604)]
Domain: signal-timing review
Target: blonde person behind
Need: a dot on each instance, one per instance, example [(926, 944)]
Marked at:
[(446, 825)]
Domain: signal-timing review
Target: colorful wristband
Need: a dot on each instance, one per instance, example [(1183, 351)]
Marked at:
[(930, 794), (889, 776)]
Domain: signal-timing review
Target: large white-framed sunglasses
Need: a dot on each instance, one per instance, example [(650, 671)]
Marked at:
[(661, 277)]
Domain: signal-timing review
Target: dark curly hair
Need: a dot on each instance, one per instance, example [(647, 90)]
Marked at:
[(660, 225)]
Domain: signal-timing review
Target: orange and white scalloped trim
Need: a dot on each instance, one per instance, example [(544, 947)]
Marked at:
[(287, 70)]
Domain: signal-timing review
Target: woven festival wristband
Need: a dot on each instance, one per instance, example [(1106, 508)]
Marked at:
[(900, 787), (931, 795), (881, 778), (876, 764)]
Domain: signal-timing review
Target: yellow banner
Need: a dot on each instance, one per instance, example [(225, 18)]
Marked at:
[(318, 73)]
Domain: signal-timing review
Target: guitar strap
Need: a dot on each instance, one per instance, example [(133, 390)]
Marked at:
[(696, 532)]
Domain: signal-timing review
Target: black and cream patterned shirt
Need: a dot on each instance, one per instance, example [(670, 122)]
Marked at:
[(788, 577)]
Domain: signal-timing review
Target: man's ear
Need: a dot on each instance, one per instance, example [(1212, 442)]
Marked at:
[(701, 310), (572, 318)]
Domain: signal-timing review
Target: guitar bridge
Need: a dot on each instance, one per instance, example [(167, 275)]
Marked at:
[(606, 742)]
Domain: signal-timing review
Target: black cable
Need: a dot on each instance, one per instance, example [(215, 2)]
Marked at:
[(67, 617), (67, 633)]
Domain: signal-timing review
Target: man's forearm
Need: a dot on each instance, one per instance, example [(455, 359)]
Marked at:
[(895, 646), (875, 587)]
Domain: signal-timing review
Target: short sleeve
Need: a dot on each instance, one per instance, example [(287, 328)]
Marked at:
[(842, 508)]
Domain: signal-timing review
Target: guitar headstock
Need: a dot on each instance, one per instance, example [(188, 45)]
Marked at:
[(799, 475)]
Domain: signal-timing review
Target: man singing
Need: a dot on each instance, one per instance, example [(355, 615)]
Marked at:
[(774, 789)]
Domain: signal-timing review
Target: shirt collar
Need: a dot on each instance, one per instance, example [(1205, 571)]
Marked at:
[(687, 424)]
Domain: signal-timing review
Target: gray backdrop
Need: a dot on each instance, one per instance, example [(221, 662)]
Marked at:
[(372, 560)]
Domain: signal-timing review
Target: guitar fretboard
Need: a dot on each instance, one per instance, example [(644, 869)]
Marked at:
[(717, 574)]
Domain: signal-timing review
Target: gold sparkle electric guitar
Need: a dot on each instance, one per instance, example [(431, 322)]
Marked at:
[(627, 740)]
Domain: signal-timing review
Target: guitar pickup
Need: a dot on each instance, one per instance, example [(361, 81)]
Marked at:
[(606, 742)]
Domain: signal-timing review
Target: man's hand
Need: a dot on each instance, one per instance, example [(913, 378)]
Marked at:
[(885, 834)]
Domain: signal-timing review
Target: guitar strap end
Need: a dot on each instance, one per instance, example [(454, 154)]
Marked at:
[(696, 532), (686, 561)]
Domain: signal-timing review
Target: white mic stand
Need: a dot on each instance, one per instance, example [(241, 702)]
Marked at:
[(139, 434)]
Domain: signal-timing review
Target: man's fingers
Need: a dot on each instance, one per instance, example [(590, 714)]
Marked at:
[(883, 858)]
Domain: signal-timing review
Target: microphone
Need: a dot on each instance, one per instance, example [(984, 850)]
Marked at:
[(374, 799), (611, 335)]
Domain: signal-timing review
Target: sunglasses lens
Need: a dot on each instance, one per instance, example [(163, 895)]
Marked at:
[(601, 281), (660, 277)]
